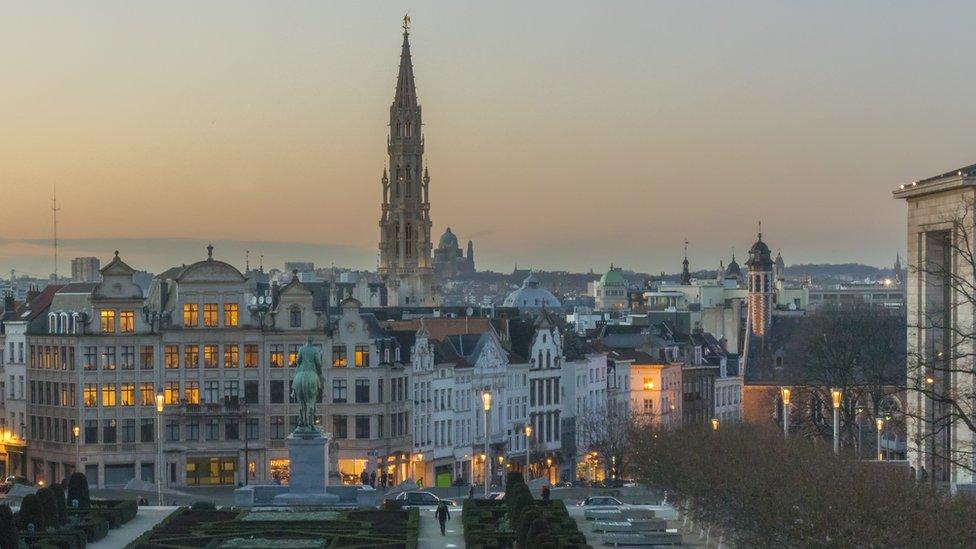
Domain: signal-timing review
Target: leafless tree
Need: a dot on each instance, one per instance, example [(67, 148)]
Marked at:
[(613, 433)]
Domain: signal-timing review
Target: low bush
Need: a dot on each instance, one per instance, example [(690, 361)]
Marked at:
[(203, 505)]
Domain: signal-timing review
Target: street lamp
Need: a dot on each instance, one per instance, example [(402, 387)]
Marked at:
[(549, 468), (528, 451), (419, 458), (785, 393), (879, 423), (835, 395), (247, 449), (486, 402), (160, 401), (714, 424), (76, 430)]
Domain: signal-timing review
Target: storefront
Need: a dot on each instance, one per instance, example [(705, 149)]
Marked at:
[(211, 471), (280, 470), (351, 469)]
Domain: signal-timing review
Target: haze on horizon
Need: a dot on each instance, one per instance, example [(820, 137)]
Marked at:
[(560, 135)]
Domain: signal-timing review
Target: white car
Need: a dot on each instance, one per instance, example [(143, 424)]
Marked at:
[(421, 500)]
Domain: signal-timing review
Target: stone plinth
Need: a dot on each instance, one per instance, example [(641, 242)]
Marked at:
[(308, 454)]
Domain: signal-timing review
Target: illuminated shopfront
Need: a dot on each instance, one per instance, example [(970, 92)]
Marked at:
[(280, 470), (211, 471)]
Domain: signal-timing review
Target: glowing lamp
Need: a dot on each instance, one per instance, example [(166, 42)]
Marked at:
[(486, 399), (836, 394), (714, 424), (160, 400), (785, 393)]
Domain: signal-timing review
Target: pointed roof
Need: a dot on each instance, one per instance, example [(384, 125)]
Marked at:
[(406, 91), (117, 266)]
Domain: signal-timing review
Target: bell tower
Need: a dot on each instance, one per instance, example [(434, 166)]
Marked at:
[(760, 286), (405, 247)]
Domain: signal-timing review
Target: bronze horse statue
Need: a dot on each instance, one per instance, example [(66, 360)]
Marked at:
[(307, 386)]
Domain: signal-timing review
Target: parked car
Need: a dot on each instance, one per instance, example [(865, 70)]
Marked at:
[(606, 502), (496, 495), (416, 499), (11, 481)]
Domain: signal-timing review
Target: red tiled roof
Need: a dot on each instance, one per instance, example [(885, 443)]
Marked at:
[(37, 305)]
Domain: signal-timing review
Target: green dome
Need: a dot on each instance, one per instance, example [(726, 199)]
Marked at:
[(613, 278), (448, 240)]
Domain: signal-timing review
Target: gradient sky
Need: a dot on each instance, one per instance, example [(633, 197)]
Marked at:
[(559, 134)]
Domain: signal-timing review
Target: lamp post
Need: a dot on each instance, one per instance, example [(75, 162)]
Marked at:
[(785, 393), (714, 424), (879, 423), (486, 403), (549, 468), (247, 456), (76, 431), (419, 460), (159, 448), (835, 395), (528, 451), (501, 463)]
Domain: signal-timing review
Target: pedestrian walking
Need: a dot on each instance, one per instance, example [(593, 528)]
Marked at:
[(443, 515), (372, 479), (364, 478), (471, 492)]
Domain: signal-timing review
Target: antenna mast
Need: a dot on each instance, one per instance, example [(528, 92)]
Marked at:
[(55, 208)]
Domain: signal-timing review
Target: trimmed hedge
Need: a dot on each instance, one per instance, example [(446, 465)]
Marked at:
[(78, 490), (487, 524), (8, 531), (31, 512)]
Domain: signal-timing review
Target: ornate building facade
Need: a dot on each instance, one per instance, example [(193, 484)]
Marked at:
[(405, 241)]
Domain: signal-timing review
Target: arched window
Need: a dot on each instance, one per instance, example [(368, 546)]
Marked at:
[(63, 327), (548, 359), (409, 129), (295, 317), (52, 323), (540, 358), (409, 251)]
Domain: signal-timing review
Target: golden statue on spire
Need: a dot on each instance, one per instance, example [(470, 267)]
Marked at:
[(406, 22)]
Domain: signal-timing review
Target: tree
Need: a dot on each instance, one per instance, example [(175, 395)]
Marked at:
[(58, 492), (942, 347), (612, 433), (78, 490), (31, 512), (8, 532), (49, 505)]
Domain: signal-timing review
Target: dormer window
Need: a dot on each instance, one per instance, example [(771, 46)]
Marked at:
[(295, 317), (108, 321), (52, 323)]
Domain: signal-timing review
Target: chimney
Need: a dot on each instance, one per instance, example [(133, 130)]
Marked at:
[(32, 292)]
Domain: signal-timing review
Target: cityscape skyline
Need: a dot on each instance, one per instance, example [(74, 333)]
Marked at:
[(292, 147)]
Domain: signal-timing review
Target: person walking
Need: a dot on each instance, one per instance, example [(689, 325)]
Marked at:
[(443, 515), (364, 477)]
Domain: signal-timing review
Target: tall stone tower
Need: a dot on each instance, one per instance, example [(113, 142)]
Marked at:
[(760, 287), (405, 245)]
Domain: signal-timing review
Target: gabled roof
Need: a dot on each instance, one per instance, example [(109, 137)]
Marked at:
[(37, 306), (116, 266)]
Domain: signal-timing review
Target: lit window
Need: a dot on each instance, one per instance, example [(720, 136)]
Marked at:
[(210, 356), (339, 356), (108, 394), (127, 322), (172, 357), (171, 395), (362, 356), (190, 314), (191, 356), (250, 356), (230, 356), (293, 355), (230, 315), (91, 395), (192, 392), (108, 322), (210, 315), (147, 397), (128, 394), (277, 356)]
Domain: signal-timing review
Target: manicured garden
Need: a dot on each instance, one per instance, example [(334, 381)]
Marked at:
[(52, 519), (206, 526), (519, 520)]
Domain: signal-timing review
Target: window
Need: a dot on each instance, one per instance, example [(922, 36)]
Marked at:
[(210, 315), (128, 357), (251, 391), (362, 426), (146, 357), (108, 431), (127, 322), (293, 355), (108, 358), (193, 429), (232, 430), (230, 356), (230, 316), (362, 356), (191, 356), (252, 428), (172, 357), (362, 391), (339, 391), (171, 395), (147, 397), (211, 391), (648, 406), (277, 356), (277, 427), (127, 396), (232, 388), (191, 392), (108, 394), (379, 390), (128, 430), (91, 358), (339, 427), (108, 322), (339, 356), (147, 430), (172, 430), (212, 430), (295, 317), (210, 359), (277, 394), (250, 356), (90, 395), (191, 315), (91, 431)]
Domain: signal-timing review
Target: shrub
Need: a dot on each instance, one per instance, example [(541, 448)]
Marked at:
[(49, 504), (513, 478), (203, 505), (530, 516), (58, 492), (31, 512), (78, 490), (537, 530), (8, 532)]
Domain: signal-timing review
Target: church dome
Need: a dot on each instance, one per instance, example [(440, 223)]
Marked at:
[(448, 240), (531, 296), (759, 256), (733, 270), (613, 278)]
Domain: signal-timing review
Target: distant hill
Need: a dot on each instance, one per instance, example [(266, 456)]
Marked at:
[(849, 271)]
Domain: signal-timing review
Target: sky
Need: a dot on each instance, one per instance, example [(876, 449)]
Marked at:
[(559, 135)]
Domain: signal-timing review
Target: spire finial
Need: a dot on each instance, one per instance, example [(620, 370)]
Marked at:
[(247, 260), (406, 23), (686, 248), (760, 230), (210, 251)]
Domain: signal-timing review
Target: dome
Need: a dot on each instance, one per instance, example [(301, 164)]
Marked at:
[(759, 256), (531, 296), (448, 240), (613, 278), (733, 269)]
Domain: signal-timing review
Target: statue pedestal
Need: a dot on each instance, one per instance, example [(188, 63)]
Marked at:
[(308, 455)]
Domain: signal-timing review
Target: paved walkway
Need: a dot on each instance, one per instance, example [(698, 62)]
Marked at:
[(430, 531), (146, 518)]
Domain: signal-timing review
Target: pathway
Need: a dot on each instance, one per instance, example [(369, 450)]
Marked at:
[(430, 531), (146, 518)]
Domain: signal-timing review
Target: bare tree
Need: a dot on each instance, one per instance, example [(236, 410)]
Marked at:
[(612, 433), (941, 346)]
